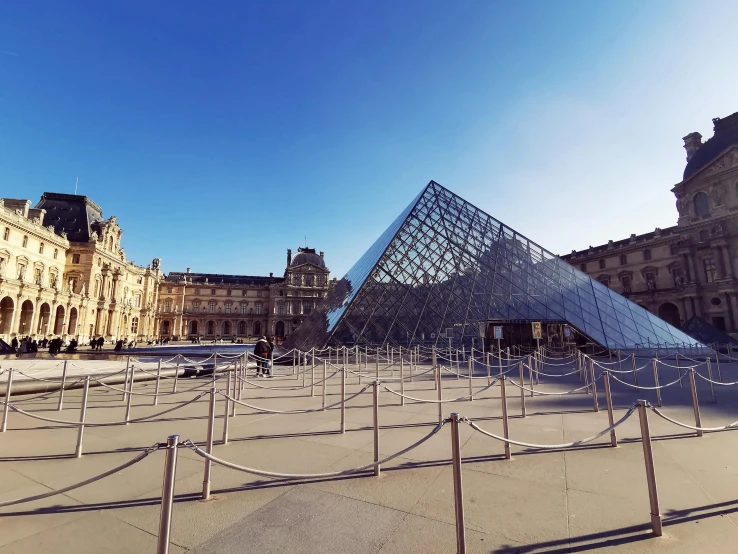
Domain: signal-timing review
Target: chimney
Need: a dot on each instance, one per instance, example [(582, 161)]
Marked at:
[(289, 256), (189, 270), (322, 254), (692, 142), (271, 274)]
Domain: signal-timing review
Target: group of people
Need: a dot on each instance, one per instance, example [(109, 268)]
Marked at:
[(26, 345), (264, 352), (97, 344)]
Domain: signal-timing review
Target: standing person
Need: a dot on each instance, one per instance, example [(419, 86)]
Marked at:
[(14, 344), (270, 362), (261, 351)]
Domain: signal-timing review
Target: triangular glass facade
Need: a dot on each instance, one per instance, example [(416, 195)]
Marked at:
[(444, 264)]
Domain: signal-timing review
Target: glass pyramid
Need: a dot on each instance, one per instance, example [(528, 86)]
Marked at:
[(444, 267)]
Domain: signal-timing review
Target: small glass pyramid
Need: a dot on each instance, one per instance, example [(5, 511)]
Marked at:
[(444, 267)]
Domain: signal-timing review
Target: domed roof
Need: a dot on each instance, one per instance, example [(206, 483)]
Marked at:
[(726, 135), (307, 256)]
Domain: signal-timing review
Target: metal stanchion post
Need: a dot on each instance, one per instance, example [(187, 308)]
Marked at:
[(215, 366), (608, 397), (635, 370), (295, 353), (227, 405), (679, 371), (489, 376), (653, 495), (325, 380), (176, 376), (458, 365), (6, 406), (522, 391), (376, 376), (61, 388), (439, 390), (717, 363), (709, 376), (458, 486), (125, 385), (530, 375), (130, 395), (402, 381), (304, 368), (656, 381), (312, 373), (505, 426), (596, 406), (471, 371), (375, 412), (209, 446), (158, 379), (167, 495), (343, 400), (436, 369), (82, 415), (695, 402)]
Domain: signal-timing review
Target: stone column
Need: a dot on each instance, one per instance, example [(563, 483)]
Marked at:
[(731, 314), (696, 306), (15, 320), (719, 262), (727, 262), (34, 319), (686, 312)]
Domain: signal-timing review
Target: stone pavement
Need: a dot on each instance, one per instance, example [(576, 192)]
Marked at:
[(590, 497)]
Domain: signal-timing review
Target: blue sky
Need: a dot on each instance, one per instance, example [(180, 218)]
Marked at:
[(221, 135)]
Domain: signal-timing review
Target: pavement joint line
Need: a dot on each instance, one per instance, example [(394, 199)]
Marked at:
[(566, 485)]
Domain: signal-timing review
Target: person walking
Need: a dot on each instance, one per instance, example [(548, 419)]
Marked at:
[(261, 351)]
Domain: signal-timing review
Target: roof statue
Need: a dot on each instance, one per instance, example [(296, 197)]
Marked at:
[(444, 267)]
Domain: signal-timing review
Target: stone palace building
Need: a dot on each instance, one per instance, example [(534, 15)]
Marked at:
[(689, 269), (63, 272)]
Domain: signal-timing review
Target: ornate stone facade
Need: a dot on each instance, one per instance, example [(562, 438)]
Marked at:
[(688, 269), (211, 306), (64, 273)]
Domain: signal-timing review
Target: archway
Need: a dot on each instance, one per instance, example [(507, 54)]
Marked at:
[(226, 328), (279, 329), (210, 328), (43, 320), (24, 328), (669, 313), (257, 328), (59, 321), (72, 327), (6, 315), (241, 328), (193, 327)]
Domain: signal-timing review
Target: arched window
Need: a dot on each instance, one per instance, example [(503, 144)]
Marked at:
[(242, 328), (701, 204)]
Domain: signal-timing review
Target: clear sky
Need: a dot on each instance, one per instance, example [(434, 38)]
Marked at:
[(221, 133)]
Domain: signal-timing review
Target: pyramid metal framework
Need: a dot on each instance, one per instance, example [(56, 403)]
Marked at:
[(446, 267)]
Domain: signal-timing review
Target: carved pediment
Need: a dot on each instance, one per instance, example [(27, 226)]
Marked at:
[(724, 162)]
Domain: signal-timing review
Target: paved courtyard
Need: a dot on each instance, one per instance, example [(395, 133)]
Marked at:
[(588, 497)]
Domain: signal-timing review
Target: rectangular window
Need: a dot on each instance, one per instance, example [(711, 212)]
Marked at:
[(710, 270), (650, 280), (197, 291), (307, 308), (583, 268), (6, 234), (211, 306), (168, 306), (25, 242), (602, 264), (646, 254), (280, 308), (75, 258), (56, 253), (258, 293), (169, 290), (625, 280), (212, 292), (228, 307), (37, 276), (196, 305), (243, 307), (258, 307), (228, 292), (243, 293), (623, 259), (41, 248)]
